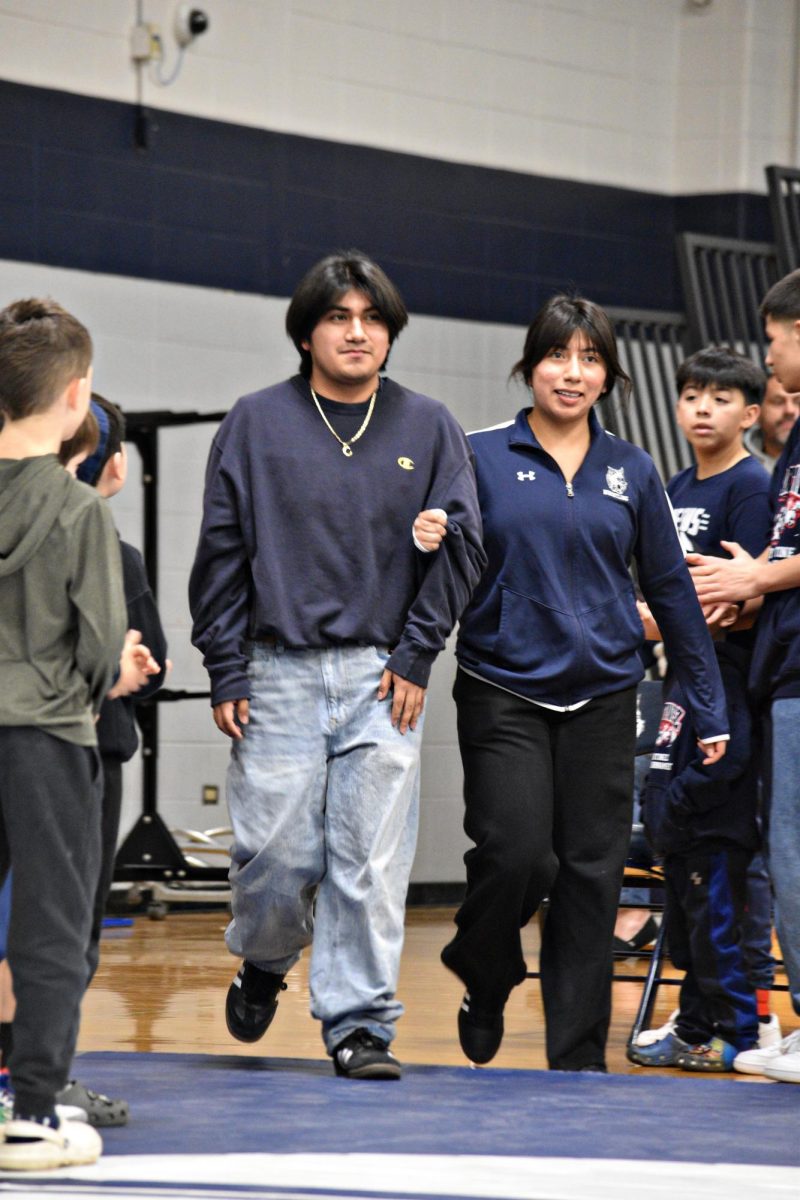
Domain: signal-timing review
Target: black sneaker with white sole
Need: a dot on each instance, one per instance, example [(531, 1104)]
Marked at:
[(362, 1055), (480, 1030), (252, 1002)]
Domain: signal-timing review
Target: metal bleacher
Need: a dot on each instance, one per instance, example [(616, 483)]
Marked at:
[(724, 281), (651, 346), (784, 202)]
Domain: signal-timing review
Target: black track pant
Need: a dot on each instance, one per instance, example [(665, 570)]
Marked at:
[(548, 806), (111, 809), (706, 897), (50, 835)]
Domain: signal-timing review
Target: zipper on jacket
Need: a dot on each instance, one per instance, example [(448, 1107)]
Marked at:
[(570, 491)]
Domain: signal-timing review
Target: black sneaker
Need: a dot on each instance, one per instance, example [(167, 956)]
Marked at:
[(362, 1055), (480, 1031), (252, 1002)]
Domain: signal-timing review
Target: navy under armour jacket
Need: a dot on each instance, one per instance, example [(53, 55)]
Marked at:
[(554, 616), (303, 544)]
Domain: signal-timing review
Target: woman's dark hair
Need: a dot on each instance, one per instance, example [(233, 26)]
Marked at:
[(554, 325), (326, 282), (722, 367)]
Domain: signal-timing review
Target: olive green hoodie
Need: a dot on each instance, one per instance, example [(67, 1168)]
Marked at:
[(62, 607)]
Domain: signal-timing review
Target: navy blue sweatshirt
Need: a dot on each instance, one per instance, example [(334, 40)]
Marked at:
[(686, 805), (554, 616), (301, 543), (775, 670)]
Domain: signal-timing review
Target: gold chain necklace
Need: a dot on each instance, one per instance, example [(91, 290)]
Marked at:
[(347, 450)]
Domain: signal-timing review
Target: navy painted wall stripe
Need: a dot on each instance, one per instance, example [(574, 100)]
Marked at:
[(229, 206)]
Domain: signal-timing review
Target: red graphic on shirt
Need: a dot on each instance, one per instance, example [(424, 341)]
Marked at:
[(786, 518), (672, 718)]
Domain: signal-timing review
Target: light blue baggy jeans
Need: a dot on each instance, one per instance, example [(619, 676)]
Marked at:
[(323, 796), (784, 835)]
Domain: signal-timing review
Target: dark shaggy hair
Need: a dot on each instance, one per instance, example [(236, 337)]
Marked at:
[(782, 301), (325, 283), (722, 367), (555, 323)]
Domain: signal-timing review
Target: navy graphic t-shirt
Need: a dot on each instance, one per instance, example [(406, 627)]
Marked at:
[(733, 506)]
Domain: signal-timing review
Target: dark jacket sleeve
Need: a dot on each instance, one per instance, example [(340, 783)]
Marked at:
[(668, 589), (116, 728), (676, 814), (220, 586), (451, 573), (97, 593)]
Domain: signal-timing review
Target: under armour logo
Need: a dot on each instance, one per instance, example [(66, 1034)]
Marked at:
[(696, 878), (523, 475)]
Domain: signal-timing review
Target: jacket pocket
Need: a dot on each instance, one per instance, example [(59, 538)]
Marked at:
[(613, 630), (533, 639)]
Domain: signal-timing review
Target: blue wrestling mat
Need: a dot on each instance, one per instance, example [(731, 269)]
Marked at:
[(214, 1127), (185, 1103)]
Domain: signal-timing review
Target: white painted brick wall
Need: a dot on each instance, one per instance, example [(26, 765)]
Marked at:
[(652, 94)]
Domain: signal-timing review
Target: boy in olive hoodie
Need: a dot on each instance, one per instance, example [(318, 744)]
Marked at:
[(62, 627)]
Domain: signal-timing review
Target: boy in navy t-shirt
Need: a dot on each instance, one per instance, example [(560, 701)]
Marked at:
[(703, 819)]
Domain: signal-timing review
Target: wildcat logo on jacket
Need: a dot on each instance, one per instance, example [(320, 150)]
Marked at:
[(617, 484)]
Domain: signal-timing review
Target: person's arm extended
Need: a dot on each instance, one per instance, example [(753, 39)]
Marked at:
[(668, 591), (741, 577), (449, 576), (219, 592)]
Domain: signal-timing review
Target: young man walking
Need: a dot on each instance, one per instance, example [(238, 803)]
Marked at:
[(319, 620)]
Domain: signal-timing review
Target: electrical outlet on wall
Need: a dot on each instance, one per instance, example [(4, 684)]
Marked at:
[(210, 793)]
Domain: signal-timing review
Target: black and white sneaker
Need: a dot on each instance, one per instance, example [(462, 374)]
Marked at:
[(480, 1031), (252, 1002), (363, 1056)]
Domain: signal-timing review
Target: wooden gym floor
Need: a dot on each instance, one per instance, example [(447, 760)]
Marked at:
[(161, 987)]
